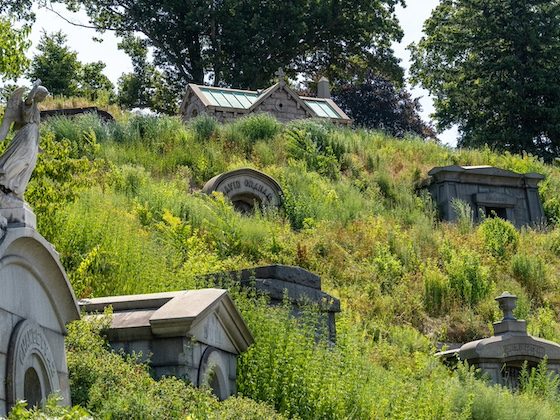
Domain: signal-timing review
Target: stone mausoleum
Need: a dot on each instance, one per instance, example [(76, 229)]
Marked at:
[(502, 356), (194, 335), (300, 286), (489, 191), (36, 302), (279, 100), (247, 189)]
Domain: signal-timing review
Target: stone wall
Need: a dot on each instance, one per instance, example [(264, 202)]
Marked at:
[(184, 358), (283, 106)]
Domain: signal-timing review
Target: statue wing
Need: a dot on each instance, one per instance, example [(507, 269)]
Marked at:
[(12, 112)]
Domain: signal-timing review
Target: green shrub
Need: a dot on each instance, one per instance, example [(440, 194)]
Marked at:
[(500, 237), (465, 216), (240, 408), (468, 278), (310, 142), (204, 127), (531, 273), (553, 241), (50, 411), (543, 324), (540, 382), (256, 127), (437, 293), (77, 129)]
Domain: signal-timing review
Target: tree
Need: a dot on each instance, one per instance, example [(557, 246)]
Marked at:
[(377, 103), (242, 43), (145, 87), (91, 80), (492, 67), (13, 44), (56, 65), (60, 70)]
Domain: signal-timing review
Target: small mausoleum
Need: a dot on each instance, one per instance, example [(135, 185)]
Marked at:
[(490, 191), (279, 100), (194, 335), (36, 302), (300, 286), (503, 355), (247, 189)]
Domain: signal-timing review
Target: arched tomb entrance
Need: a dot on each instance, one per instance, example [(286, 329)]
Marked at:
[(36, 303), (247, 189), (502, 356)]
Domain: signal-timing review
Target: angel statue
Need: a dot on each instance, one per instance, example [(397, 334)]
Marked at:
[(18, 161)]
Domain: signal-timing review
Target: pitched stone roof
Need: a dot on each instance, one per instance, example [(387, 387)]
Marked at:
[(246, 101), (172, 314)]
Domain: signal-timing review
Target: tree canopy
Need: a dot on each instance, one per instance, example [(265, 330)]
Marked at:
[(492, 67), (242, 43), (377, 103), (13, 44), (59, 69)]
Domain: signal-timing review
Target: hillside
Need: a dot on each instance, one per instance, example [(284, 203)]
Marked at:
[(121, 203)]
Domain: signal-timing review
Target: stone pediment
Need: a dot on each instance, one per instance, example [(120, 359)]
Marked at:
[(508, 347), (488, 175), (208, 315)]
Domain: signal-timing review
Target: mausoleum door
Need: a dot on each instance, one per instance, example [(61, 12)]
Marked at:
[(500, 212), (31, 373), (511, 372)]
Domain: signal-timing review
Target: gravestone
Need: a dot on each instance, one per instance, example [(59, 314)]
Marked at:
[(300, 286), (36, 303), (36, 299), (502, 356), (194, 335), (247, 189), (492, 191)]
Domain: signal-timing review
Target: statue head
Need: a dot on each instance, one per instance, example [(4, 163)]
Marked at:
[(40, 94)]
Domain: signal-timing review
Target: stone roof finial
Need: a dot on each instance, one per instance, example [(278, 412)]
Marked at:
[(507, 303), (281, 75), (509, 324)]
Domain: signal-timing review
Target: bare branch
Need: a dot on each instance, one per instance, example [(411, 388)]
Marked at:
[(81, 25)]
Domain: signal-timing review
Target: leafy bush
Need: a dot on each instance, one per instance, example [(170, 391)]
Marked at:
[(112, 386), (465, 216), (437, 293), (531, 273), (500, 237), (468, 278), (540, 381), (204, 127), (256, 127), (543, 324)]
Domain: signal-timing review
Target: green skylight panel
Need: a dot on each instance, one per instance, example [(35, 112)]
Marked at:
[(230, 99), (322, 109)]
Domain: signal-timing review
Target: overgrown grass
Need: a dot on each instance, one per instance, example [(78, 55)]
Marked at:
[(121, 204)]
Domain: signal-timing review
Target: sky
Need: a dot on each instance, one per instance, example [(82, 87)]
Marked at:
[(80, 39)]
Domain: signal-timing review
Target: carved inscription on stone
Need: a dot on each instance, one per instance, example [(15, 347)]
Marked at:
[(33, 340), (524, 349), (245, 184), (29, 349)]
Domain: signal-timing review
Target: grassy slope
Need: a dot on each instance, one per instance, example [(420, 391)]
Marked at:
[(130, 220)]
